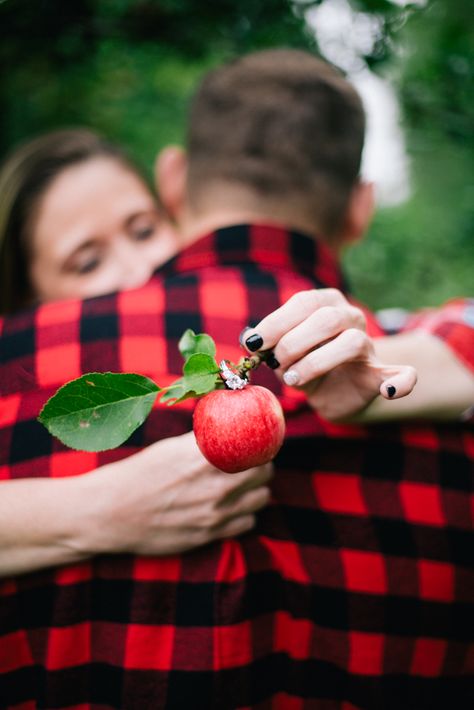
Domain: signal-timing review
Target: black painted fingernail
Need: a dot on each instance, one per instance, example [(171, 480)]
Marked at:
[(241, 336), (254, 342), (271, 361), (391, 390)]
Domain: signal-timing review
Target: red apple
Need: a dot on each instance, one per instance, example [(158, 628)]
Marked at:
[(238, 429)]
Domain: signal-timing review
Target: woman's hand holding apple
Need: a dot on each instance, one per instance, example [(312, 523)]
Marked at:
[(168, 499)]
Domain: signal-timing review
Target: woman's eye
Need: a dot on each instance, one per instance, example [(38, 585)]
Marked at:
[(144, 233), (88, 266)]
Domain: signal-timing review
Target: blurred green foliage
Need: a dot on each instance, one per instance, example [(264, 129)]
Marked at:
[(128, 69), (422, 252), (125, 67)]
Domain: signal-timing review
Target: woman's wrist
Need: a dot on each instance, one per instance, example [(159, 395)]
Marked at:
[(94, 527)]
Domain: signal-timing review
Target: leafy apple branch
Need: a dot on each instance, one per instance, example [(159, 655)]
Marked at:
[(99, 411)]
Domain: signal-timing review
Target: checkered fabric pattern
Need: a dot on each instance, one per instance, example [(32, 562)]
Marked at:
[(355, 591), (453, 323)]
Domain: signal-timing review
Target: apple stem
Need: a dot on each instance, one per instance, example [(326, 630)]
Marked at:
[(248, 363)]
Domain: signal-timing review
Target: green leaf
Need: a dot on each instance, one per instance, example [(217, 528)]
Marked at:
[(174, 392), (200, 372), (99, 411), (190, 344), (199, 377)]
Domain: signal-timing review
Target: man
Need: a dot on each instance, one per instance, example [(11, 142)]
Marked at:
[(352, 592)]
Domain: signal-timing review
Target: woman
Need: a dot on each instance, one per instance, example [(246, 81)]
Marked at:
[(78, 219)]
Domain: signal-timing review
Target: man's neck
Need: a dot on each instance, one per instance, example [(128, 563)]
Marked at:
[(232, 206)]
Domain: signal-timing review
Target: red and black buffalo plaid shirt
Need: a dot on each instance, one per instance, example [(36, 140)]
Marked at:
[(353, 591)]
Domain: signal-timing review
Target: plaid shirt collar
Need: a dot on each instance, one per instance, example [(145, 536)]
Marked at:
[(268, 247)]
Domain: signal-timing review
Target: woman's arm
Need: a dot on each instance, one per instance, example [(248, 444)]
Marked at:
[(445, 387), (439, 342), (163, 500)]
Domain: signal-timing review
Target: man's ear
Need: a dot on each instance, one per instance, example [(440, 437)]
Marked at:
[(359, 212), (170, 179)]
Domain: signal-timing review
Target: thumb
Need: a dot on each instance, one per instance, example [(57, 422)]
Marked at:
[(399, 380)]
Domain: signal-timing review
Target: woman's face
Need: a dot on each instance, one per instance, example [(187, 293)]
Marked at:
[(96, 230)]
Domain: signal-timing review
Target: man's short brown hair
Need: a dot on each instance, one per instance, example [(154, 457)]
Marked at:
[(282, 123)]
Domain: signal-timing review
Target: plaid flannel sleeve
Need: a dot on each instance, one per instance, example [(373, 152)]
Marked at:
[(453, 323)]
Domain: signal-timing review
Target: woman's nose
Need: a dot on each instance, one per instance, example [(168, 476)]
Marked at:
[(133, 264)]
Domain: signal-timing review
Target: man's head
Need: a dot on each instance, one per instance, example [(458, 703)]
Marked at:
[(278, 135)]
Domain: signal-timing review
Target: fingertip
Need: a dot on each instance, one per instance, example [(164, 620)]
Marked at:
[(400, 384), (250, 521), (266, 468), (291, 378), (391, 391), (266, 495), (242, 335), (257, 499), (253, 342), (241, 525), (270, 469), (412, 375), (271, 361)]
